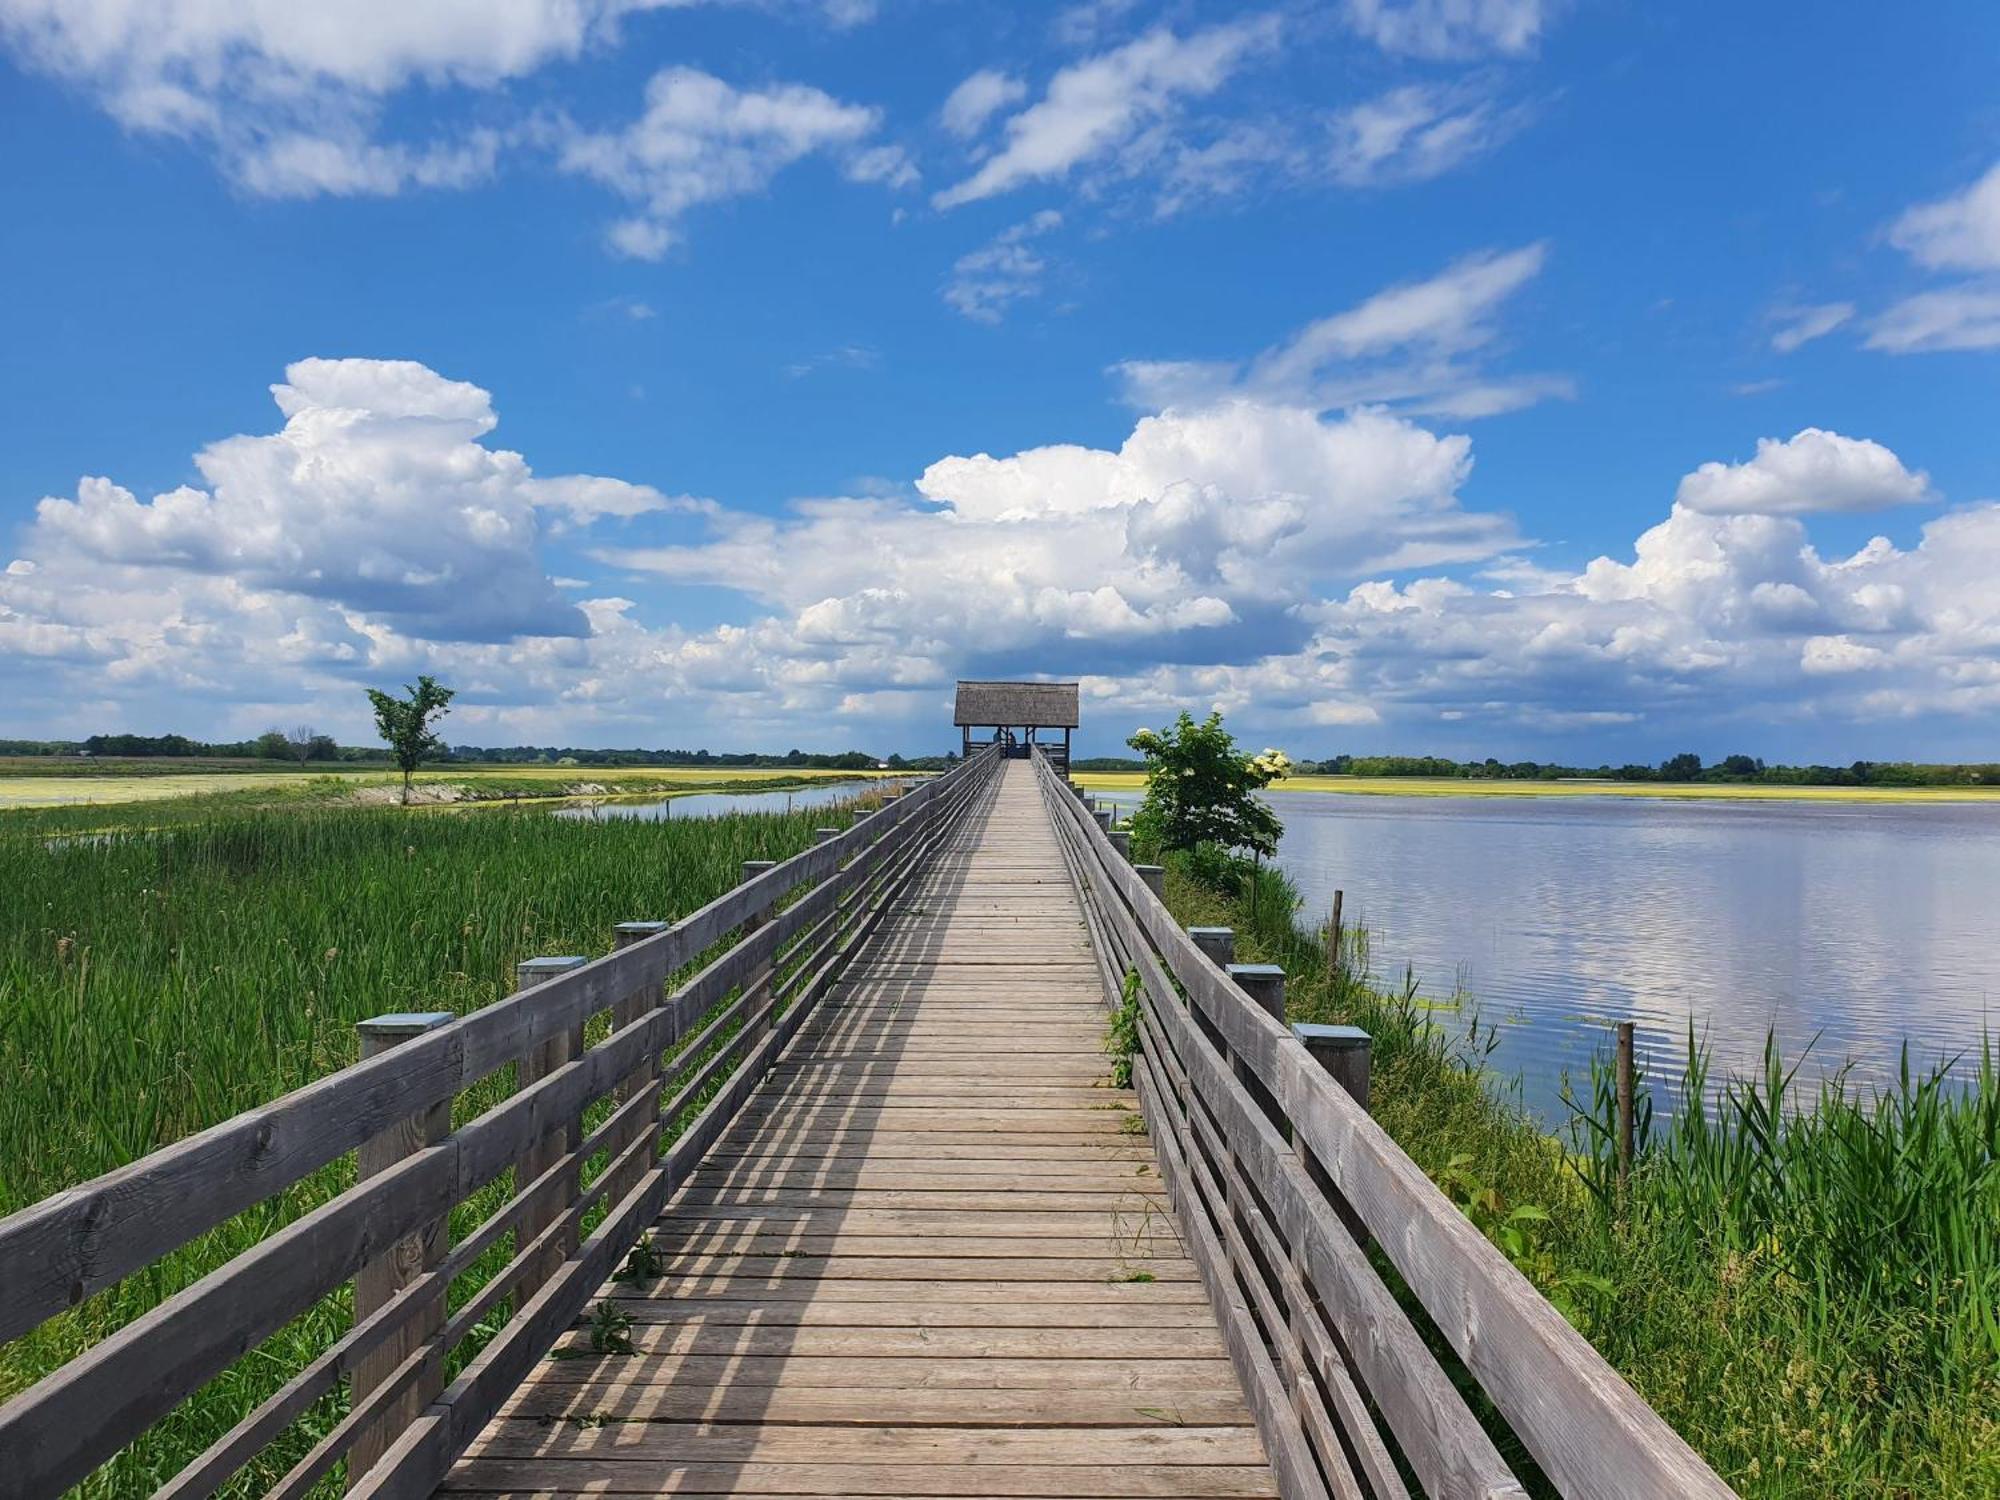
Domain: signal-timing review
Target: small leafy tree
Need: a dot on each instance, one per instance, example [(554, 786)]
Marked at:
[(1200, 789), (406, 723)]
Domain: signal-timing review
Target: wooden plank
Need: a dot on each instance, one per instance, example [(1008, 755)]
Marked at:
[(1217, 1405), (660, 1477), (798, 1312), (716, 1291), (780, 1443), (886, 1373), (926, 1343), (1094, 1264)]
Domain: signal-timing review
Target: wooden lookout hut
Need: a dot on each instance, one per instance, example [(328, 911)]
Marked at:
[(1011, 714)]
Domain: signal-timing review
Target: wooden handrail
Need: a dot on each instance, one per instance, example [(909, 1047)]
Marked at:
[(1273, 1207), (60, 1251)]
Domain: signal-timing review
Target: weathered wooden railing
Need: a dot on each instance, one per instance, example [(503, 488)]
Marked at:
[(1278, 1175), (579, 1199)]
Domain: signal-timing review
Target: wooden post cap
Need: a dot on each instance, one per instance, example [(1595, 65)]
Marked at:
[(400, 1025), (628, 933), (540, 970), (821, 835), (1264, 983), (752, 868), (1155, 877)]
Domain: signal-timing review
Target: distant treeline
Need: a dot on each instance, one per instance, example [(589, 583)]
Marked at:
[(271, 745), (1685, 767), (320, 748)]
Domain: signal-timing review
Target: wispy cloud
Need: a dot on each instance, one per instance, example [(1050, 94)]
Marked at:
[(1798, 326), (1093, 108), (1417, 132), (1007, 269), (1420, 345), (1957, 233)]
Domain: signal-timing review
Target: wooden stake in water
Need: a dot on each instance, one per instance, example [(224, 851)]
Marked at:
[(1624, 1103), (1333, 941)]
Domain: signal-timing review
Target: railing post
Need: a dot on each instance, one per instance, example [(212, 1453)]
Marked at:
[(1104, 815), (1346, 1052), (1264, 983), (633, 1008), (1217, 944), (760, 977), (378, 1280), (1155, 877), (561, 1138), (823, 835)]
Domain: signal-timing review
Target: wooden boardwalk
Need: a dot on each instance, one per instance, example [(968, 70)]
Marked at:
[(932, 1256)]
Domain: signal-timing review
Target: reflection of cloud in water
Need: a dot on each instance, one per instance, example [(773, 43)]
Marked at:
[(715, 804), (1858, 925)]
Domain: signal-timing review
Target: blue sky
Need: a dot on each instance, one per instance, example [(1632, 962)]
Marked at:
[(1456, 375)]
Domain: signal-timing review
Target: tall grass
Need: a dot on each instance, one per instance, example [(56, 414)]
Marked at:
[(153, 983), (1806, 1285)]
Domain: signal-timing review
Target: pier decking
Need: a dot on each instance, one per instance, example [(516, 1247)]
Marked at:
[(932, 1258)]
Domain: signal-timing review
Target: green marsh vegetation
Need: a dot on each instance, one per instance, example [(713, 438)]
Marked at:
[(1803, 1280), (159, 976)]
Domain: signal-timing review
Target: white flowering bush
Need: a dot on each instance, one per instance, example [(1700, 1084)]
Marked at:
[(1200, 790)]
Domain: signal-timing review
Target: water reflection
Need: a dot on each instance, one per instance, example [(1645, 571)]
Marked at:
[(715, 804), (1852, 927)]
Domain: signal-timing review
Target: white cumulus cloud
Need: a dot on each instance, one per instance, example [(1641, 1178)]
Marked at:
[(1811, 471), (377, 497)]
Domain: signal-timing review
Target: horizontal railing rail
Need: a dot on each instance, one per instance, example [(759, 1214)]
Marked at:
[(670, 1071), (1280, 1179)]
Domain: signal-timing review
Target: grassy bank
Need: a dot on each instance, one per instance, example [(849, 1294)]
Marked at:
[(1451, 786), (257, 784), (1807, 1288), (153, 984)]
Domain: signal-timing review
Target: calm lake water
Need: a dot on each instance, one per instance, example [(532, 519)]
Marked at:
[(714, 804), (1862, 926)]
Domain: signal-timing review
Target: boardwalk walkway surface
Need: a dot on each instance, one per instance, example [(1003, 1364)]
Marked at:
[(929, 1259)]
